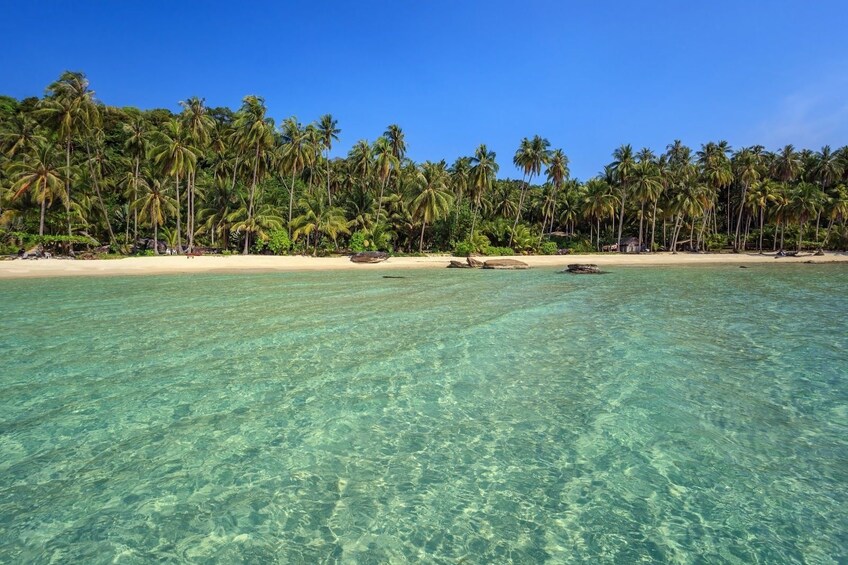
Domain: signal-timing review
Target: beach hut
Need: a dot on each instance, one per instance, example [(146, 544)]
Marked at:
[(630, 245)]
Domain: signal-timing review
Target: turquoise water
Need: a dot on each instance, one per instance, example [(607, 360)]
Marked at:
[(647, 415)]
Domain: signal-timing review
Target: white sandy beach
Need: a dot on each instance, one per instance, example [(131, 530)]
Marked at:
[(264, 263)]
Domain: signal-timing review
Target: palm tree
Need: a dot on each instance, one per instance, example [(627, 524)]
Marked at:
[(599, 203), (40, 174), (137, 143), (786, 164), (762, 194), (646, 187), (256, 138), (294, 156), (329, 131), (805, 202), (557, 172), (622, 169), (174, 153), (747, 168), (530, 156), (397, 141), (257, 223), (433, 199), (69, 107), (716, 171), (320, 218), (19, 135), (154, 206), (484, 169), (386, 160), (199, 126)]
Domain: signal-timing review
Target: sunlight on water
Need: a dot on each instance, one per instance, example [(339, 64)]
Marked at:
[(666, 415)]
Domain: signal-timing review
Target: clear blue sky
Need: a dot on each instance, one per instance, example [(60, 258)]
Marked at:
[(589, 76)]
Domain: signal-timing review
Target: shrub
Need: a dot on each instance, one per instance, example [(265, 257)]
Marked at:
[(463, 249), (279, 242), (502, 251), (548, 248), (359, 241)]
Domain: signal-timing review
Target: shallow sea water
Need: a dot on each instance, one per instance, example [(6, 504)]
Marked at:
[(686, 415)]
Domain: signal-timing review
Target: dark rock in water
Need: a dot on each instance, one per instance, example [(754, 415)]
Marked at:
[(458, 265), (369, 257), (742, 267), (818, 253), (582, 269), (474, 263), (505, 264), (392, 277)]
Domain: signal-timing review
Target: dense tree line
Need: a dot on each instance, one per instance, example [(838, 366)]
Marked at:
[(74, 170)]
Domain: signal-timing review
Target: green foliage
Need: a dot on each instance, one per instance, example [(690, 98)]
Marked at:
[(463, 249), (500, 251), (359, 241), (716, 242), (548, 248), (279, 242)]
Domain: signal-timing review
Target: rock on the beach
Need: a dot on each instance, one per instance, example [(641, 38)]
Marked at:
[(506, 264), (369, 257), (474, 263), (582, 269), (458, 265)]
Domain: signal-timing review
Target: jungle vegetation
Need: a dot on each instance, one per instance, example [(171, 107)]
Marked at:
[(75, 172)]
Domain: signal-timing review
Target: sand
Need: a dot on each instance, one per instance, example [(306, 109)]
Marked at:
[(262, 263)]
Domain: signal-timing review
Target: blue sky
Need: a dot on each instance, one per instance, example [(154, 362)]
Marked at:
[(589, 76)]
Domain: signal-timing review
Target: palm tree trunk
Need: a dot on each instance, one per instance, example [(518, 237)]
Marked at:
[(179, 225), (329, 194), (93, 173), (190, 211), (621, 216), (68, 185), (421, 241), (762, 214), (818, 220), (291, 198), (800, 234), (739, 217), (135, 197), (380, 202), (156, 238), (653, 226), (43, 212), (524, 183)]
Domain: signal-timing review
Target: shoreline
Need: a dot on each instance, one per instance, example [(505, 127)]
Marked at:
[(164, 265)]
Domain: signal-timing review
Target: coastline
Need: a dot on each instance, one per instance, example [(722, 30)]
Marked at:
[(163, 265)]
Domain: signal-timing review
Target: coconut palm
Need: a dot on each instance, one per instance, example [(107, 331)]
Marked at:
[(256, 138), (385, 160), (294, 156), (136, 144), (646, 187), (319, 218), (69, 109), (176, 156), (154, 206), (199, 126), (39, 174), (599, 203), (433, 198), (529, 157), (329, 132), (746, 164), (621, 171), (557, 172), (762, 193), (19, 135), (397, 141), (484, 169)]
